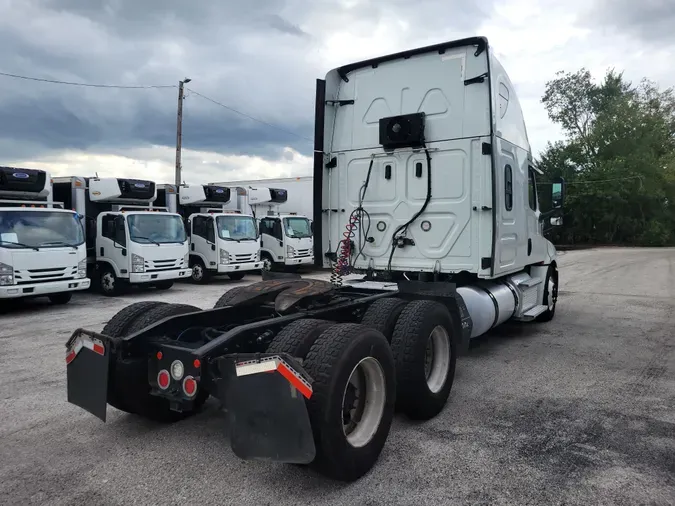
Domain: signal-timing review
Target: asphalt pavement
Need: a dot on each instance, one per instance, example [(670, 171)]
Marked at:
[(580, 410)]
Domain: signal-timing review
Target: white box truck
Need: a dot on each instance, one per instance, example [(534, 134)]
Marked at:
[(222, 240), (129, 241), (286, 240), (42, 250)]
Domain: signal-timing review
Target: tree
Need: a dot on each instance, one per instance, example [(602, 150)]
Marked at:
[(618, 159)]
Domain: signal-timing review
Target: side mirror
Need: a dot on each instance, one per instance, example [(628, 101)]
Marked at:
[(557, 221), (558, 193)]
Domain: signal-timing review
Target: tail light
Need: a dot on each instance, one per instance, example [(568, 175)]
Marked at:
[(163, 379), (189, 386)]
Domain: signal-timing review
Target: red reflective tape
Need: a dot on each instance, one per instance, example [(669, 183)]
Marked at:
[(98, 348), (294, 380), (70, 356)]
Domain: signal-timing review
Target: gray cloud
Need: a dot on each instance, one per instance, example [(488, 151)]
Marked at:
[(650, 21), (259, 56)]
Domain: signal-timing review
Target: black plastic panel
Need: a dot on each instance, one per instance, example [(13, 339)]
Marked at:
[(278, 195), (402, 131), (217, 194), (136, 189), (22, 180)]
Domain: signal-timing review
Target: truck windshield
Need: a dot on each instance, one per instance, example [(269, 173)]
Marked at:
[(297, 227), (39, 229), (156, 228), (237, 228)]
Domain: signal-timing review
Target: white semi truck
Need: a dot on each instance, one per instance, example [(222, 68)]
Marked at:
[(286, 240), (425, 192), (42, 250), (222, 241), (129, 240)]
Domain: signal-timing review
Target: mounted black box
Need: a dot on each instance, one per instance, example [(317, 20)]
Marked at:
[(22, 180), (217, 194), (136, 189), (406, 131), (278, 195)]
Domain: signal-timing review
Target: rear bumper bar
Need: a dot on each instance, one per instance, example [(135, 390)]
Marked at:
[(264, 394)]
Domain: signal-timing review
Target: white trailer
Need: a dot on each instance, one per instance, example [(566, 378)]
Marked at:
[(222, 240), (42, 250), (129, 240)]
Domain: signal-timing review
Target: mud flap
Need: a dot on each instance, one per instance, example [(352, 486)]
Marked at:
[(265, 400), (88, 359)]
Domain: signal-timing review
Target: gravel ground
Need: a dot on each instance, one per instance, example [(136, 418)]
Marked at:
[(577, 411)]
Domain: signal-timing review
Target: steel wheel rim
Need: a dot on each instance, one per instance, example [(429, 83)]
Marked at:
[(197, 272), (437, 358), (108, 281), (267, 265), (368, 379)]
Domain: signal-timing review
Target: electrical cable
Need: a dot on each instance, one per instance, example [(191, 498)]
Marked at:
[(232, 109), (71, 83), (404, 228)]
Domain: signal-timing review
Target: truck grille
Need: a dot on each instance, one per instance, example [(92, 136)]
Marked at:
[(26, 276), (239, 259), (302, 252), (163, 265)]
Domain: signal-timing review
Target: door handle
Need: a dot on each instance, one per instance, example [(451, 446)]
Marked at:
[(529, 247), (101, 251)]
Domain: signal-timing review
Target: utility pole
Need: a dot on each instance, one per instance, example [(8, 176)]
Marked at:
[(179, 129)]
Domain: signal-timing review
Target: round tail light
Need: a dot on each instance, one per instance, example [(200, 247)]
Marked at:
[(163, 379), (190, 386)]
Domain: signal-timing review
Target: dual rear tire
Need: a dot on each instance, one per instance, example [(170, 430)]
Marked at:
[(402, 356)]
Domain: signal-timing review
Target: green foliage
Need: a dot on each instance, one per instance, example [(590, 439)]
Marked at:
[(618, 159)]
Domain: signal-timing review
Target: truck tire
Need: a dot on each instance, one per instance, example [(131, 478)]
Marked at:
[(383, 314), (129, 390), (550, 295), (297, 337), (236, 276), (346, 362), (60, 298), (268, 263), (227, 297), (425, 355), (200, 273), (118, 324), (108, 283)]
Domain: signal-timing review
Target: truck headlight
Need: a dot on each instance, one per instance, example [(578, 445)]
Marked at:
[(186, 259), (6, 275), (290, 251), (82, 268), (224, 257), (137, 263), (257, 256)]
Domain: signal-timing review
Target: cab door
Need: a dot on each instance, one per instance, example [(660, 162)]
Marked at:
[(111, 242)]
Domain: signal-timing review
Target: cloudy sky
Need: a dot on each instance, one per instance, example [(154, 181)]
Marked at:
[(262, 57)]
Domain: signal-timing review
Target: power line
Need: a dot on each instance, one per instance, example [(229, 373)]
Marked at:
[(70, 83), (232, 109)]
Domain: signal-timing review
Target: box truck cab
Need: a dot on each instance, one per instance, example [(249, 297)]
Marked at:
[(222, 241), (285, 238), (129, 241), (42, 250)]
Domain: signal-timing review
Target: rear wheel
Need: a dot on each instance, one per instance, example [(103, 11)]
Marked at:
[(383, 314), (60, 298), (425, 355), (352, 404), (298, 337), (236, 276), (129, 389), (227, 297), (118, 324)]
